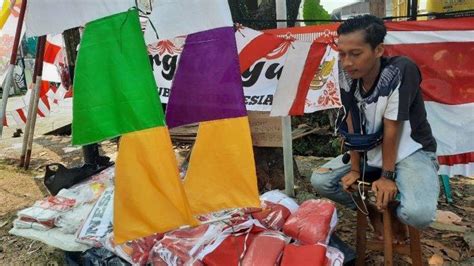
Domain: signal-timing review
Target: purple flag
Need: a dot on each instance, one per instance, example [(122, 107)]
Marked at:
[(207, 85)]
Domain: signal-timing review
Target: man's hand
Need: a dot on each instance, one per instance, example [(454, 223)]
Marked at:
[(349, 179), (385, 190)]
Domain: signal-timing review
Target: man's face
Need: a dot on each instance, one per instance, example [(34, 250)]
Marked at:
[(357, 56)]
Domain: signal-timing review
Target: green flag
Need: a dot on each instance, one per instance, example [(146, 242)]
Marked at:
[(114, 88)]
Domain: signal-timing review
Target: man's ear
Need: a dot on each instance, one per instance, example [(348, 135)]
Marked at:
[(379, 50)]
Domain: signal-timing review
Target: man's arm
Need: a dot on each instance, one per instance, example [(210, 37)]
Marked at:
[(355, 161), (391, 132), (385, 188), (354, 174)]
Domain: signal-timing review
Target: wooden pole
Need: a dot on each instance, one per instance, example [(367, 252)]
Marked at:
[(286, 121), (30, 105), (9, 75), (35, 94)]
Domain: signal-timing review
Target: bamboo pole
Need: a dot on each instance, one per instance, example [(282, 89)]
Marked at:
[(33, 108), (29, 114)]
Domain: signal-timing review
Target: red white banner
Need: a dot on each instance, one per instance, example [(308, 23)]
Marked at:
[(444, 51), (50, 94), (262, 59)]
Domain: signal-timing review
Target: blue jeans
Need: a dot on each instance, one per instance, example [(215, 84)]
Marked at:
[(417, 182)]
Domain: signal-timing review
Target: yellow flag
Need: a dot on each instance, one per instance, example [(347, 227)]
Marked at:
[(221, 171), (4, 13), (149, 196)]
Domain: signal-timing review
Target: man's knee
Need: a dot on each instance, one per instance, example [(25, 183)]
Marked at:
[(321, 181), (420, 216)]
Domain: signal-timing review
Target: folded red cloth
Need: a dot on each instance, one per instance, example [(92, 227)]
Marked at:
[(309, 255), (313, 222)]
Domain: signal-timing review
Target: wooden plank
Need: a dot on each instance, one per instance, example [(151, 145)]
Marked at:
[(415, 246), (362, 226), (266, 131)]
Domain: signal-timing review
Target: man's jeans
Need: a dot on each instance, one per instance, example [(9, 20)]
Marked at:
[(417, 182)]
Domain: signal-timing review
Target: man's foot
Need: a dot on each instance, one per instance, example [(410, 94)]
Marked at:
[(399, 229), (376, 220)]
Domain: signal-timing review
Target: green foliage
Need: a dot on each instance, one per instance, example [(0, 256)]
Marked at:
[(264, 16), (316, 145), (324, 145), (312, 9)]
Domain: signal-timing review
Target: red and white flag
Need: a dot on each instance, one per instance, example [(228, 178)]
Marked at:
[(49, 93), (444, 51), (295, 95)]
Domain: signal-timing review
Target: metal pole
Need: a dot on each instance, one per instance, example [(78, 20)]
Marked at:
[(414, 9), (286, 121), (9, 75), (33, 108), (408, 7)]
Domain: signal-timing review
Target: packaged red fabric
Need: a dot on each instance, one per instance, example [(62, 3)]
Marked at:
[(182, 246), (230, 246), (266, 249), (272, 215), (310, 255), (56, 203), (135, 252), (229, 252), (313, 222)]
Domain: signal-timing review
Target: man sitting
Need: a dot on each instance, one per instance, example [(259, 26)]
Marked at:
[(382, 94)]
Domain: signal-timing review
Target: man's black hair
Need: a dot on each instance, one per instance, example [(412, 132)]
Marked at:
[(372, 26)]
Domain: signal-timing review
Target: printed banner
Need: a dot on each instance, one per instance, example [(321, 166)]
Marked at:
[(7, 36), (324, 89), (260, 80)]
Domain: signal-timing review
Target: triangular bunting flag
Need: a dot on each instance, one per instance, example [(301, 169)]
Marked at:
[(149, 195), (221, 173), (207, 85), (114, 88)]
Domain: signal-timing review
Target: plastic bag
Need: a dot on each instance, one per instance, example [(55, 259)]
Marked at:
[(230, 245), (99, 221), (272, 215), (313, 223), (182, 246), (135, 252), (39, 215), (278, 197), (334, 257), (56, 203), (265, 249), (24, 224)]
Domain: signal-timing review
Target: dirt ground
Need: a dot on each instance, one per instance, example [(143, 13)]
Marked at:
[(20, 188)]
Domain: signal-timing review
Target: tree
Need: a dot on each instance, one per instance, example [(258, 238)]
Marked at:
[(312, 9), (264, 15)]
